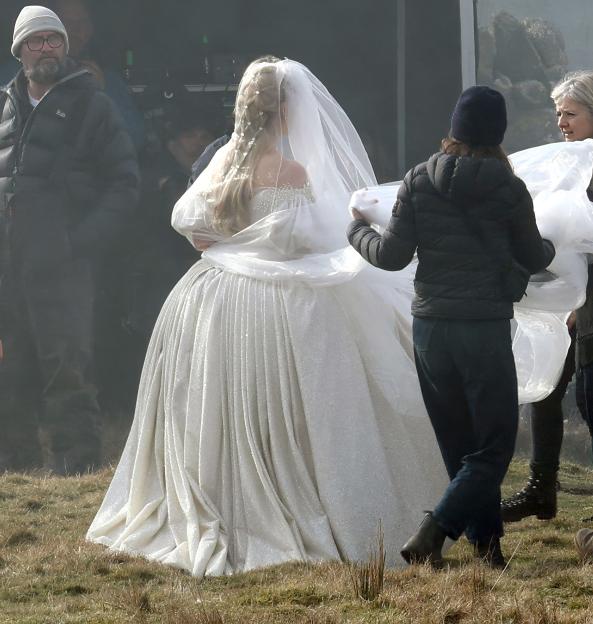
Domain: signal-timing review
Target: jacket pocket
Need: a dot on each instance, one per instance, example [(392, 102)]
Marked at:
[(422, 331), (42, 238)]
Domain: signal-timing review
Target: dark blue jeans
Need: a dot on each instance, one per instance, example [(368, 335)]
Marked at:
[(584, 395), (469, 385)]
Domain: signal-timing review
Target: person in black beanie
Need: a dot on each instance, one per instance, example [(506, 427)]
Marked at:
[(468, 217)]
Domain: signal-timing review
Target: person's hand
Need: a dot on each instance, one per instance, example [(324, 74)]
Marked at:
[(359, 202), (356, 214), (201, 244), (95, 70), (571, 320)]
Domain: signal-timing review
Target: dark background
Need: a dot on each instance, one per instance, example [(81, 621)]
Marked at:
[(351, 45)]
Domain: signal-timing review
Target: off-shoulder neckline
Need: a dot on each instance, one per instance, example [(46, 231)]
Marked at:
[(282, 187)]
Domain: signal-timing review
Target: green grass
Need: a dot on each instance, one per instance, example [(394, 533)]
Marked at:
[(50, 575)]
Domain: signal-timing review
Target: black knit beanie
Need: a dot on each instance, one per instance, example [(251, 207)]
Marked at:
[(479, 117)]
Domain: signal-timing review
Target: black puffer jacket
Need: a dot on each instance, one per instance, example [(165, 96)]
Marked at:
[(457, 277), (68, 173)]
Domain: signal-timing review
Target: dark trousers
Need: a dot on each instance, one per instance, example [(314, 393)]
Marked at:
[(547, 423), (45, 374), (584, 395), (469, 386)]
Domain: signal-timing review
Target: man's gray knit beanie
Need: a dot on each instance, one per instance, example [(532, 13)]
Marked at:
[(34, 19)]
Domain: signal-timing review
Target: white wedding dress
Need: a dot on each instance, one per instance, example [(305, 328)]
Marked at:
[(276, 421)]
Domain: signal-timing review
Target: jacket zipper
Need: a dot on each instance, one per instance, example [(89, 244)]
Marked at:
[(18, 125), (29, 122)]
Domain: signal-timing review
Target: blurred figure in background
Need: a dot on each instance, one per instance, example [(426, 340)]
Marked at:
[(68, 186), (77, 18), (206, 156), (159, 256), (76, 15)]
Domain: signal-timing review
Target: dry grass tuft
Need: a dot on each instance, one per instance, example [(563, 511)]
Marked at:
[(135, 573), (314, 618), (135, 602), (533, 612), (368, 576), (75, 590), (20, 538), (197, 615), (33, 505), (478, 583), (453, 616)]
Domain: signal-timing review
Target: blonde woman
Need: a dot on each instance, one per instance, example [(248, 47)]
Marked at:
[(278, 417), (573, 98)]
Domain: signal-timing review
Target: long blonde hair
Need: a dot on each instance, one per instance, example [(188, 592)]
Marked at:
[(257, 118)]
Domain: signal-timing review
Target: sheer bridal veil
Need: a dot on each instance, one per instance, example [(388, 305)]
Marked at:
[(283, 115)]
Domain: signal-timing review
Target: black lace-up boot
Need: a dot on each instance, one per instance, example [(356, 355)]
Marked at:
[(426, 545), (537, 498)]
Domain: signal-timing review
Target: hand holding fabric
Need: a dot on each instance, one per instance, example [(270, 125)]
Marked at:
[(361, 202), (374, 204), (201, 244)]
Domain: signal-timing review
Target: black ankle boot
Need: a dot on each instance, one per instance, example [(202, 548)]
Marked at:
[(537, 498), (426, 545), (490, 553)]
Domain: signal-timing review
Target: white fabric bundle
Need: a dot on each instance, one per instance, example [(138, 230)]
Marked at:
[(557, 176)]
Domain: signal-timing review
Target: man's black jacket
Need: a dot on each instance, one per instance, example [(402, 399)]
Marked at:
[(458, 276), (68, 173)]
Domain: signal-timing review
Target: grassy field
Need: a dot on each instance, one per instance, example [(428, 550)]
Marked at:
[(50, 575)]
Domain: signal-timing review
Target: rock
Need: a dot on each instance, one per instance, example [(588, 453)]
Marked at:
[(516, 56), (530, 94), (548, 41), (555, 74), (505, 86)]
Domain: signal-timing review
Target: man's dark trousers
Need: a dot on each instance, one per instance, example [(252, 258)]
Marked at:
[(469, 385), (46, 371)]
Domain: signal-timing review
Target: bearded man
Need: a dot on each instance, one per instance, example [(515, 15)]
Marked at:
[(68, 187)]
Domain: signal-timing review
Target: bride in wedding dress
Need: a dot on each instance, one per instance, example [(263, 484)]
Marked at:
[(279, 416)]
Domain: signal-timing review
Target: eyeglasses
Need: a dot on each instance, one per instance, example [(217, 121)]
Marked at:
[(35, 44)]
